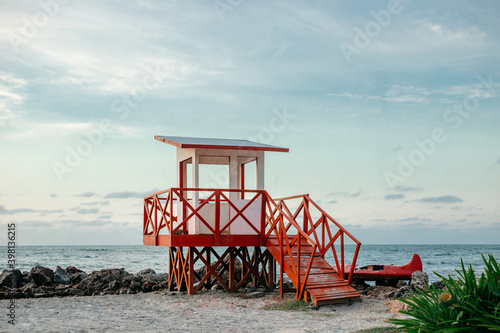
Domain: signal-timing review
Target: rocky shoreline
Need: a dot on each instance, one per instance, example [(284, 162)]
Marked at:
[(43, 282)]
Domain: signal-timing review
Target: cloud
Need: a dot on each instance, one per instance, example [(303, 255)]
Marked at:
[(93, 223), (35, 224), (128, 194), (442, 199), (398, 148), (53, 195), (95, 203), (354, 195), (407, 189), (16, 211), (394, 196), (413, 219), (413, 225), (332, 202), (85, 195), (88, 211)]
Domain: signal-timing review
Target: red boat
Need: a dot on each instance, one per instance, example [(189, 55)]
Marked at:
[(387, 272)]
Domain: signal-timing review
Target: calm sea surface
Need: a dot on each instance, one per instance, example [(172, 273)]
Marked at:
[(442, 259)]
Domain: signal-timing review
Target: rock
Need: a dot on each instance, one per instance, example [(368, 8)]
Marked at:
[(16, 293), (217, 287), (250, 289), (11, 278), (154, 277), (288, 285), (396, 306), (419, 280), (108, 279), (60, 276), (76, 292), (135, 286), (403, 292), (71, 270), (401, 284), (380, 292), (77, 277), (42, 276), (256, 294), (153, 282), (63, 290), (148, 271), (439, 285), (359, 284)]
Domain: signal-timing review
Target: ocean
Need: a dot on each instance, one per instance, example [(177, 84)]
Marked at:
[(441, 259)]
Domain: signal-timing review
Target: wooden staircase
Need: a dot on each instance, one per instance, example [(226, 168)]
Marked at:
[(324, 284)]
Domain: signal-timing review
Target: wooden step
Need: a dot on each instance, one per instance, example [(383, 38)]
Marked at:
[(324, 284)]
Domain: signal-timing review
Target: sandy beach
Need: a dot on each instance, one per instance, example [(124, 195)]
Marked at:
[(212, 311)]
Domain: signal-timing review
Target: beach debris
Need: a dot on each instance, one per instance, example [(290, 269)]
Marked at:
[(42, 276), (10, 278), (419, 280)]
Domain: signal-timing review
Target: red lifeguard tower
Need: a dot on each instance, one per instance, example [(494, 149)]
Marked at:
[(191, 221)]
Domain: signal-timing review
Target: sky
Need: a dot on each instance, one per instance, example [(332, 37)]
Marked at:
[(390, 109)]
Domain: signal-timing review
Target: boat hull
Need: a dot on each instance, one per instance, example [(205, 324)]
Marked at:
[(387, 272)]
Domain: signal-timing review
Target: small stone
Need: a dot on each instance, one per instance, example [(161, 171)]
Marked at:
[(256, 294), (217, 287), (250, 289), (396, 306)]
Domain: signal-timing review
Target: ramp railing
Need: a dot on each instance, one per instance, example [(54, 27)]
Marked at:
[(325, 231)]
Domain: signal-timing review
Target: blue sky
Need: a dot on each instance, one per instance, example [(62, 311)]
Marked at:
[(390, 110)]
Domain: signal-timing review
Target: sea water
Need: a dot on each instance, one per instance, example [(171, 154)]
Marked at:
[(441, 259)]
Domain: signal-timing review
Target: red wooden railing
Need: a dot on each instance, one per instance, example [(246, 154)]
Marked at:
[(160, 210), (160, 214), (319, 229)]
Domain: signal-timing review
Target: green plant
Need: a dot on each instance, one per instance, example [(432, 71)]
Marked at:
[(469, 304)]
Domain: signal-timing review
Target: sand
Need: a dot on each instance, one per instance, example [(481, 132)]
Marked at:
[(212, 312)]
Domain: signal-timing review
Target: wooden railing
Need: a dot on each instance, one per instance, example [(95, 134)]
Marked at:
[(161, 211), (319, 230), (276, 220)]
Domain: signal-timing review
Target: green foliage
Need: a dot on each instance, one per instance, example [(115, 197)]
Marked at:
[(469, 304)]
